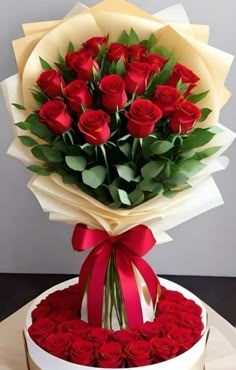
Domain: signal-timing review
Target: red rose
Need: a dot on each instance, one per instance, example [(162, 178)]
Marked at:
[(166, 98), (41, 311), (137, 76), (83, 353), (99, 335), (110, 356), (77, 328), (137, 51), (41, 328), (82, 63), (93, 45), (142, 117), (116, 51), (190, 306), (124, 336), (184, 118), (186, 75), (169, 307), (113, 92), (54, 114), (149, 330), (163, 349), (156, 62), (51, 83), (183, 337), (174, 296), (167, 322), (138, 353), (77, 94), (58, 344), (94, 124), (64, 314), (193, 322)]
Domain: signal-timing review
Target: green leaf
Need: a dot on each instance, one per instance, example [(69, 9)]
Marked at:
[(161, 50), (189, 168), (77, 163), (195, 98), (39, 97), (136, 197), (52, 155), (133, 38), (18, 106), (151, 41), (197, 138), (94, 177), (150, 185), (39, 170), (70, 48), (120, 67), (126, 172), (27, 141), (152, 169), (124, 197), (160, 147), (125, 148), (23, 125), (124, 38), (206, 153), (44, 64), (38, 153), (204, 114)]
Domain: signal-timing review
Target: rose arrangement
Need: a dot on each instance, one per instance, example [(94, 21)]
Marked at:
[(57, 329), (120, 120)]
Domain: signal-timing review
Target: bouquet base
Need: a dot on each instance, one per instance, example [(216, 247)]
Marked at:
[(193, 359)]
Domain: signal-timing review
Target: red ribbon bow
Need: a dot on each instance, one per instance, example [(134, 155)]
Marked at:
[(128, 248)]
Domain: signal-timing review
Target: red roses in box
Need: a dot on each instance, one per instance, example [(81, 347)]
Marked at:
[(177, 327)]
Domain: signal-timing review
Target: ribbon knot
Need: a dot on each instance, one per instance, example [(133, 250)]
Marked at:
[(127, 250)]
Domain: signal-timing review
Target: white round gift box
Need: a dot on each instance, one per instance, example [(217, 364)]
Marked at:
[(193, 359)]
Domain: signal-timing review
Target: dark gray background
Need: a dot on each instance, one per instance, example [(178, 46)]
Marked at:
[(30, 243)]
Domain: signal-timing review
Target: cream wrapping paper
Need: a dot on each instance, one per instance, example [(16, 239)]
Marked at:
[(67, 203)]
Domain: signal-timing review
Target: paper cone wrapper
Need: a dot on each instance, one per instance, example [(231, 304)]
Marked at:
[(193, 359)]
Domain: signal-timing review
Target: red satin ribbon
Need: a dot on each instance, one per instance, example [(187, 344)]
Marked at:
[(128, 248)]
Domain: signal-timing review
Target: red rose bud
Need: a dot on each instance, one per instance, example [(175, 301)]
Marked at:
[(110, 356), (99, 335), (163, 349), (137, 51), (93, 45), (51, 83), (156, 62), (94, 124), (113, 92), (77, 94), (83, 353), (186, 75), (58, 344), (137, 76), (82, 63), (124, 336), (142, 117), (149, 330), (116, 51), (183, 337), (138, 353), (166, 98), (184, 118), (54, 114), (41, 328)]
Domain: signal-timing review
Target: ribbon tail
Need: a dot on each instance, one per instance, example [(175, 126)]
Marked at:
[(129, 289)]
